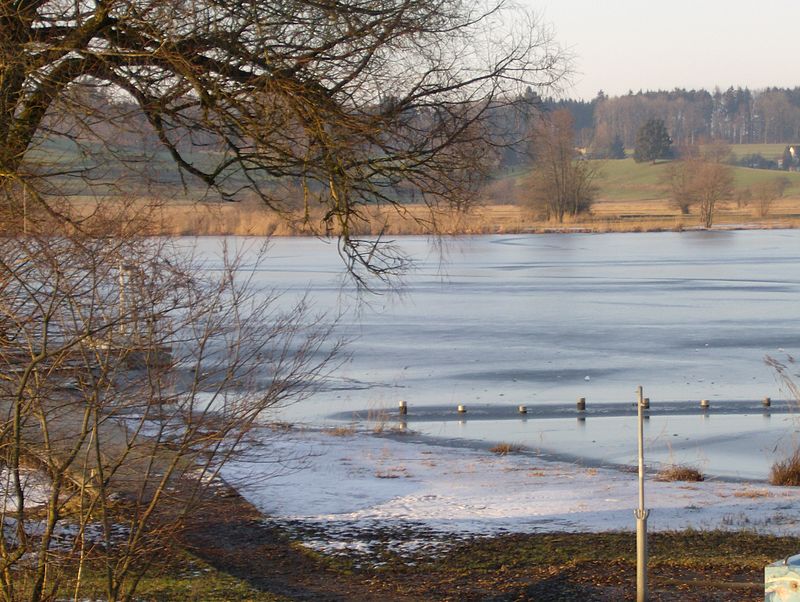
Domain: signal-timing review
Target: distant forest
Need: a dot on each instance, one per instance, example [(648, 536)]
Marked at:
[(735, 116), (605, 124), (603, 128)]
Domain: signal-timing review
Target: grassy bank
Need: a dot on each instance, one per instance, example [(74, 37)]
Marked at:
[(772, 152), (631, 198), (543, 567), (230, 552), (608, 215), (683, 566), (178, 576)]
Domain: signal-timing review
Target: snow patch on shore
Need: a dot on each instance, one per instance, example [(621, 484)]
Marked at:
[(363, 482), (35, 487)]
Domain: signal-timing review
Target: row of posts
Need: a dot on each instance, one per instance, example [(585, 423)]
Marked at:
[(641, 513), (581, 405)]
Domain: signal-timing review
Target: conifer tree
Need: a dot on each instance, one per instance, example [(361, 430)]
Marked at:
[(652, 142)]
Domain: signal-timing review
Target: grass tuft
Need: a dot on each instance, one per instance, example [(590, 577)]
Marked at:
[(786, 472), (341, 431), (752, 493), (503, 449), (678, 472)]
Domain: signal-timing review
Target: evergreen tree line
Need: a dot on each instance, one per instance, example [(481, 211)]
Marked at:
[(735, 116), (605, 125)]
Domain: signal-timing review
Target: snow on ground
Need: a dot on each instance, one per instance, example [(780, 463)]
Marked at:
[(35, 486), (361, 481)]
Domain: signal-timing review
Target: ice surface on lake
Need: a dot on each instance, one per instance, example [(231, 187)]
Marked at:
[(688, 315), (545, 319)]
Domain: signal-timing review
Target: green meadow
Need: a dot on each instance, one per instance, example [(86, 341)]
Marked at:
[(626, 180)]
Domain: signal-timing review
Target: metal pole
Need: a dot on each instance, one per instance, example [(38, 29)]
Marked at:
[(641, 515)]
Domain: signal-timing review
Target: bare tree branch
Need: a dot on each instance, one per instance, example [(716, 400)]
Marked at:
[(361, 101)]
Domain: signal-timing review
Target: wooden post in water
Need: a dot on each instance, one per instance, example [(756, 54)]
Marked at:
[(462, 409), (581, 404), (403, 408), (641, 513), (766, 402)]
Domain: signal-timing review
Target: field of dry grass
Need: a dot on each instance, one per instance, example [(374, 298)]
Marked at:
[(606, 216), (214, 219), (499, 210)]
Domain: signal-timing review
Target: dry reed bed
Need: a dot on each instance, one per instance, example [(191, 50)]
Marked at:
[(248, 219), (786, 472), (678, 472)]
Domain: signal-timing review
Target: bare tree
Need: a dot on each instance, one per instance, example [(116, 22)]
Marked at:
[(562, 181), (351, 101), (130, 376), (700, 179), (767, 192), (713, 183), (679, 178), (743, 197)]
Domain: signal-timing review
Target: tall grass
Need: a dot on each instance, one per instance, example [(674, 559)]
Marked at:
[(251, 219), (503, 449), (786, 472), (678, 472)]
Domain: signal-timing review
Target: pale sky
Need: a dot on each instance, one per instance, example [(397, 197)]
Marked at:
[(644, 44)]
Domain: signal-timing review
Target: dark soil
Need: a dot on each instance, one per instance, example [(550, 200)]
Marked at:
[(689, 566)]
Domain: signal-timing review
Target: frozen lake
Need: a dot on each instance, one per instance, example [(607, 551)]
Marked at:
[(544, 319)]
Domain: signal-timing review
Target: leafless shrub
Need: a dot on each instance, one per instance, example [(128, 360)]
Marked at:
[(130, 377), (563, 183), (767, 192)]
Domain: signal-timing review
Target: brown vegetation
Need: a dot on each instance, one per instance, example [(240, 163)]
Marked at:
[(767, 192), (677, 472), (561, 183), (701, 179), (341, 431), (128, 381), (786, 472), (503, 449), (326, 108), (688, 566), (242, 219)]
